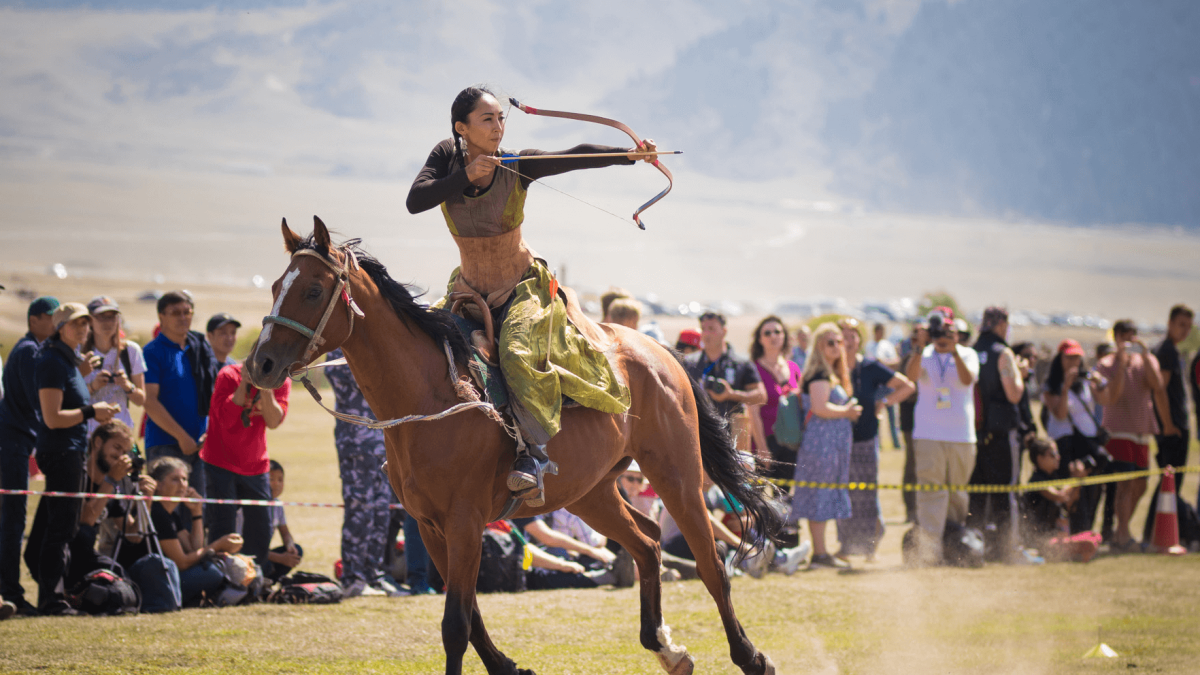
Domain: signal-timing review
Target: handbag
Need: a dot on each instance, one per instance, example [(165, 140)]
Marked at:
[(789, 421)]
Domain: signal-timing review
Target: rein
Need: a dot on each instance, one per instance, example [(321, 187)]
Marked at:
[(342, 291)]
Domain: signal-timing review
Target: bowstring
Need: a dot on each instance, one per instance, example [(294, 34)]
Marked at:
[(544, 184)]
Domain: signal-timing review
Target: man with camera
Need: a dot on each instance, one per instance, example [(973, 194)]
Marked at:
[(943, 428), (1135, 387), (730, 381), (998, 455)]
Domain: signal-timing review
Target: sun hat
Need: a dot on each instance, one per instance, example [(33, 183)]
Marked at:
[(68, 312)]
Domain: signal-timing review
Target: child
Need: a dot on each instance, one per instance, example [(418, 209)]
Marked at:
[(284, 558), (1045, 512)]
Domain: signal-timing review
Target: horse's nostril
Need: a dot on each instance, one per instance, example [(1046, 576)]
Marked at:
[(267, 366)]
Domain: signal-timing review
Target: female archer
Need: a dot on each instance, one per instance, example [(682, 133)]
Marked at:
[(482, 196)]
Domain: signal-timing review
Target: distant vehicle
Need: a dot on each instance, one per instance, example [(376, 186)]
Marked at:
[(150, 296)]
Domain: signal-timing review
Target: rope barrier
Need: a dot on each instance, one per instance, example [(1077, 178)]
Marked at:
[(903, 487)]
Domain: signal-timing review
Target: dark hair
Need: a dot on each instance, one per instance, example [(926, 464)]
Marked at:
[(110, 430), (1181, 309), (1039, 446), (464, 104), (709, 315), (174, 298), (756, 348), (1124, 326), (1054, 380), (276, 466), (1020, 347)]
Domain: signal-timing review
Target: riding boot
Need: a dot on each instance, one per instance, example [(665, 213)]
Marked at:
[(527, 478)]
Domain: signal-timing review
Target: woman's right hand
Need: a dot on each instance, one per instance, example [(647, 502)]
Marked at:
[(230, 543), (854, 410), (482, 167), (147, 486), (195, 507), (105, 411)]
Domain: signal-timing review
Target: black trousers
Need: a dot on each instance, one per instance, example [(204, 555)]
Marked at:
[(1172, 451), (997, 462), (783, 461), (64, 473)]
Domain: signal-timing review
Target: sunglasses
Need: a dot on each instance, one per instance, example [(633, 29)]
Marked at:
[(833, 343), (772, 332)]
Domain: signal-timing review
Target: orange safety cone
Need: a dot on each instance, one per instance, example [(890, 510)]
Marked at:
[(1166, 521)]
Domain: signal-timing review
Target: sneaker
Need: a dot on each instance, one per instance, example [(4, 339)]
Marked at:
[(1026, 557), (7, 610), (826, 561), (360, 588), (523, 475), (789, 560), (667, 574), (389, 589), (59, 609), (24, 608), (756, 564), (418, 588)]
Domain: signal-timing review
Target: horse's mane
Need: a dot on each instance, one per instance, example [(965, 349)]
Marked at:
[(436, 323)]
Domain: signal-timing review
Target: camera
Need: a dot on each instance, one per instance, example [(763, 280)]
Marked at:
[(938, 326), (713, 384), (137, 463), (1098, 461)]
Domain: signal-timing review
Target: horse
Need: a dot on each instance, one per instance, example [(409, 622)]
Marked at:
[(450, 472)]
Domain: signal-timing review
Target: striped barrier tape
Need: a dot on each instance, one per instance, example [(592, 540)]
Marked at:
[(905, 487)]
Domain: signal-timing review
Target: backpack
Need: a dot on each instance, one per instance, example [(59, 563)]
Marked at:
[(244, 581), (790, 420), (307, 588), (105, 592), (157, 577), (502, 564)]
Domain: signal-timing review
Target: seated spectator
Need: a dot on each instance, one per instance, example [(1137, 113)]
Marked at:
[(638, 492), (587, 563), (283, 558), (199, 574), (539, 531), (221, 332), (1045, 511)]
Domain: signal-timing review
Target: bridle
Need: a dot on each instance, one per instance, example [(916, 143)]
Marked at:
[(341, 290)]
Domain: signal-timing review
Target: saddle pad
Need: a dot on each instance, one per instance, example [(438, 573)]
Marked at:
[(487, 376)]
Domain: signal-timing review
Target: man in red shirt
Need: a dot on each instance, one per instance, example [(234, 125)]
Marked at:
[(235, 459)]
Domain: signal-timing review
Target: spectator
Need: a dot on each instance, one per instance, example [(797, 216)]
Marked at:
[(919, 333), (624, 312), (860, 534), (689, 341), (366, 493), (730, 382), (800, 350), (1044, 520), (62, 447), (234, 458), (1103, 349), (963, 330), (824, 455), (780, 377), (1000, 387), (180, 372), (1068, 402), (19, 423), (882, 350), (540, 531), (283, 558), (178, 531), (121, 378), (1027, 363), (1172, 449), (1135, 386), (1194, 378), (221, 333), (639, 492), (943, 428), (611, 295)]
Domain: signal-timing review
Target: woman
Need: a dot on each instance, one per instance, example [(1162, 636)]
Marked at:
[(824, 455), (1070, 401), (120, 379), (860, 533), (180, 533), (781, 377), (483, 202), (62, 446)]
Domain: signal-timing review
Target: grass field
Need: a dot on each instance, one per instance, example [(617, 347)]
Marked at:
[(876, 618)]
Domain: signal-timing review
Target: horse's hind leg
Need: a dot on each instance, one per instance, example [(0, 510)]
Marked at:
[(605, 511), (493, 659)]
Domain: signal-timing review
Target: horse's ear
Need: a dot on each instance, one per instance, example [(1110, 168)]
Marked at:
[(291, 240), (320, 235)]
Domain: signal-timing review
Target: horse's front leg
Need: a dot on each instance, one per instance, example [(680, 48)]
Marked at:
[(464, 543)]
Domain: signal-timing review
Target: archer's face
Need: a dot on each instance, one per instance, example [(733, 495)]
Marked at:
[(485, 125)]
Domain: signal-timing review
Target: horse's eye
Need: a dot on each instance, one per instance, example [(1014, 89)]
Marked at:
[(314, 293)]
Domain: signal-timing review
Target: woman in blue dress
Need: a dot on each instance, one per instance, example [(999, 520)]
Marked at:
[(824, 456)]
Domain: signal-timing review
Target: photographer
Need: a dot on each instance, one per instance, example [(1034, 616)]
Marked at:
[(121, 378), (1069, 403), (730, 381), (943, 427), (1001, 387)]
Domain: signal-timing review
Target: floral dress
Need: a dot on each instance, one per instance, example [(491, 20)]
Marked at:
[(824, 457)]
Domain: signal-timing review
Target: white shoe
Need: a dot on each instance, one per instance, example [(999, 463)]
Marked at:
[(789, 560), (389, 589), (756, 565), (360, 589)]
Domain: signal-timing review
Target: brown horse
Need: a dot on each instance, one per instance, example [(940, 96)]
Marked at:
[(450, 473)]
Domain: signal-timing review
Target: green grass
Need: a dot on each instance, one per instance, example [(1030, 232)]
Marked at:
[(879, 618)]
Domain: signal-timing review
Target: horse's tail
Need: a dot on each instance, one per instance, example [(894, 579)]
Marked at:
[(761, 517)]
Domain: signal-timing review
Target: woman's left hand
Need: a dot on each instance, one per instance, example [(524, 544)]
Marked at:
[(194, 507), (646, 147)]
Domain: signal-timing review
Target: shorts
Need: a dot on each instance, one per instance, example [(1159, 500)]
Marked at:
[(1128, 452)]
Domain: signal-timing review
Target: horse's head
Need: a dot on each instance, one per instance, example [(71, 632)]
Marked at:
[(304, 322)]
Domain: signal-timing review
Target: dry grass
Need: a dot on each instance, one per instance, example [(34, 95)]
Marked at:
[(878, 618)]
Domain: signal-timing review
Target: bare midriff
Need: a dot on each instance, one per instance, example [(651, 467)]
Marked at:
[(491, 264)]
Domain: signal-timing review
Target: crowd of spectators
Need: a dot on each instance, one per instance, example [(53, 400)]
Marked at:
[(960, 410)]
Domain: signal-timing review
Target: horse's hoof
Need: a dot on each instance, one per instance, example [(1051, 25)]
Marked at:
[(683, 666)]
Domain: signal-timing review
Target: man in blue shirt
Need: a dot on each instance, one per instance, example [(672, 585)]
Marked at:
[(19, 419), (176, 400)]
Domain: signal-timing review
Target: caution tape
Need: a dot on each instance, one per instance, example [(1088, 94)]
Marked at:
[(158, 498), (1023, 487)]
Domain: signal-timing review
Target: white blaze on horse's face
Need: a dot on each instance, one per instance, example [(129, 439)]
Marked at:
[(288, 278)]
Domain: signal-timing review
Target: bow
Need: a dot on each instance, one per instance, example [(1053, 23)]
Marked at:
[(530, 110)]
